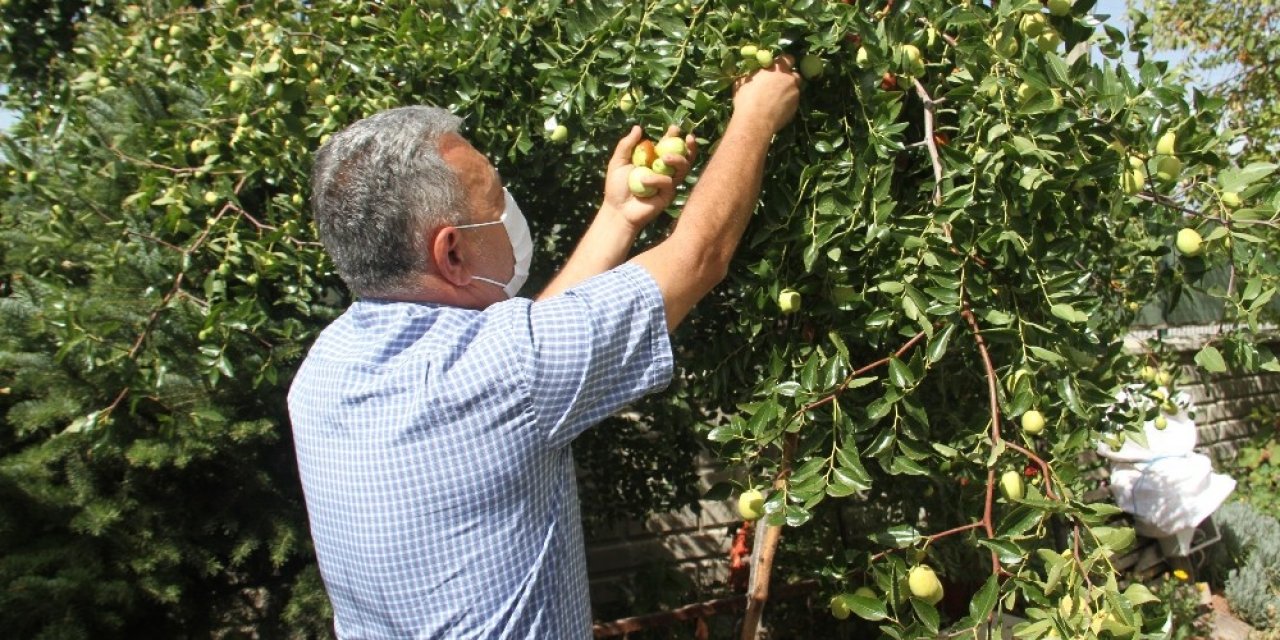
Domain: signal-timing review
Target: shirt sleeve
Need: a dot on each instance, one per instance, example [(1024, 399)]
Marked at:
[(594, 349)]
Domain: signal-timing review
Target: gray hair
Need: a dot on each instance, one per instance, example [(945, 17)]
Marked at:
[(375, 187)]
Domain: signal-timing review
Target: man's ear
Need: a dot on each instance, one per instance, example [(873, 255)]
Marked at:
[(447, 258)]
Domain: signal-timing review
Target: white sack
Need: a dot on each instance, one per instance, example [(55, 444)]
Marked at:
[(1168, 487)]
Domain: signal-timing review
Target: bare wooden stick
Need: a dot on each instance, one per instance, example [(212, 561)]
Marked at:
[(766, 547)]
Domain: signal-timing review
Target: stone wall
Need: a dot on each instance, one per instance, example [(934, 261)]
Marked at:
[(695, 543), (1223, 402)]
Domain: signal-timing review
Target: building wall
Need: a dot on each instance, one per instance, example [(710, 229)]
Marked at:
[(1223, 402), (694, 543)]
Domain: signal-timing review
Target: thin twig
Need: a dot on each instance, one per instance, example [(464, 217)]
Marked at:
[(153, 239), (994, 401), (993, 397), (931, 538), (1039, 462), (1166, 201), (174, 170), (929, 141)]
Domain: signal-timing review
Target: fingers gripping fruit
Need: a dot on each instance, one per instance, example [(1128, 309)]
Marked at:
[(668, 146), (635, 182), (648, 159)]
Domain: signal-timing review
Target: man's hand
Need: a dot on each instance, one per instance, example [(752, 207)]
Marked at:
[(768, 97), (622, 215), (638, 212)]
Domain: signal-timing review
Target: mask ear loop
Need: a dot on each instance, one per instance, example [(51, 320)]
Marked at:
[(473, 225), (501, 219)]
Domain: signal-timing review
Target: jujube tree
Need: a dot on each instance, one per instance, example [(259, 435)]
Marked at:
[(924, 318)]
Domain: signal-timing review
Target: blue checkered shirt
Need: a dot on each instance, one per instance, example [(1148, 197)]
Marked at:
[(433, 446)]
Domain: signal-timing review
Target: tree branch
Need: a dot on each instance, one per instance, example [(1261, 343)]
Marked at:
[(1166, 201), (929, 140)]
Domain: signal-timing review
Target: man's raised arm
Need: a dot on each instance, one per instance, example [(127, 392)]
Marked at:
[(689, 263), (622, 215)]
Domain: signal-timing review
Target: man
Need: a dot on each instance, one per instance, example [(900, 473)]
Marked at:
[(432, 420)]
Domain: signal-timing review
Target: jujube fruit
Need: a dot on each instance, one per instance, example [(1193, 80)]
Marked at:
[(924, 584), (751, 504)]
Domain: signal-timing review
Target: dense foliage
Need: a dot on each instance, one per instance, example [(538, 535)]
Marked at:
[(1234, 50), (991, 216)]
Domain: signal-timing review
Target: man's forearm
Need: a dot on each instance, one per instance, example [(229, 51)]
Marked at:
[(719, 208), (605, 245), (697, 253)]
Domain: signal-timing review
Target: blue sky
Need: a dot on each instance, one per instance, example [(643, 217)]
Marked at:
[(6, 116)]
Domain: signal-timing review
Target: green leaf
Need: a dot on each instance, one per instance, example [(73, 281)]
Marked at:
[(1069, 395), (1103, 509), (917, 298), (797, 515), (1068, 313), (898, 536), (847, 479), (1211, 360), (1115, 538), (1036, 629), (984, 601), (861, 382), (839, 344), (1054, 577), (879, 408), (836, 490), (1137, 594), (900, 374), (871, 609), (851, 465), (1046, 355), (788, 388), (997, 317), (1008, 552), (1019, 521), (906, 466), (725, 432), (926, 614), (938, 345), (1239, 179)]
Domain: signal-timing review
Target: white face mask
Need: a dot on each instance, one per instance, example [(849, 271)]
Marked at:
[(521, 244)]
